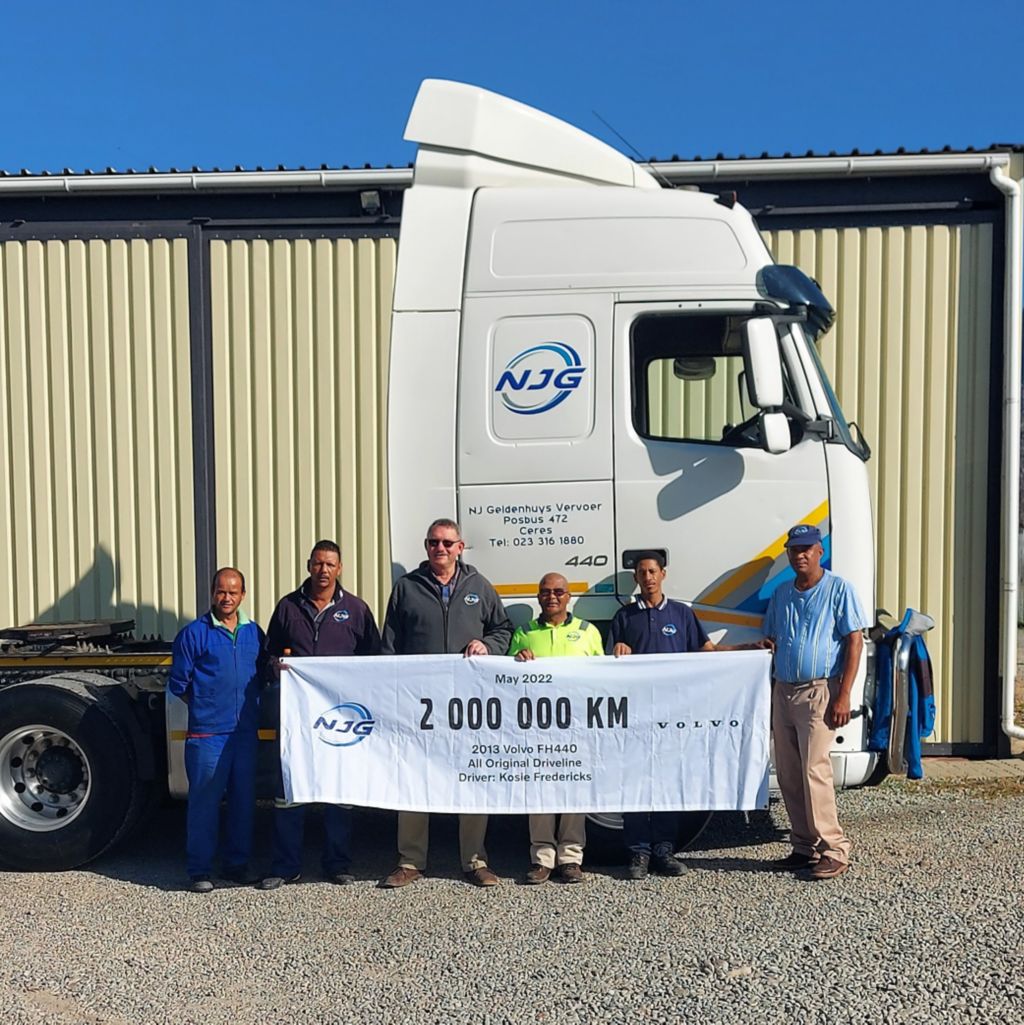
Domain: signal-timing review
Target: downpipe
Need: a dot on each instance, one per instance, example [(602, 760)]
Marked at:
[(1011, 442)]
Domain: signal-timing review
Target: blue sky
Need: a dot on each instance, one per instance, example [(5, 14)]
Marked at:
[(222, 83)]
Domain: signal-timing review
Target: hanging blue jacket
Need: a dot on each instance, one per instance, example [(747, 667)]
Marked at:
[(216, 675), (920, 696)]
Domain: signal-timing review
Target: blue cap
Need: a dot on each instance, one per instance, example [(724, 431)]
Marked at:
[(803, 535)]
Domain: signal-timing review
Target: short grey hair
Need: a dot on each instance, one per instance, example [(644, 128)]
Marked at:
[(445, 522)]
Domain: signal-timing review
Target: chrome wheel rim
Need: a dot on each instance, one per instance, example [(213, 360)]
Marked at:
[(45, 778)]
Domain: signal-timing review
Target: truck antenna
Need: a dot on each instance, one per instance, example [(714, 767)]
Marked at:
[(640, 157)]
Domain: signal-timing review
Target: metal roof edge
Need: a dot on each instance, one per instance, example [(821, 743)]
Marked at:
[(686, 171), (208, 181), (832, 167)]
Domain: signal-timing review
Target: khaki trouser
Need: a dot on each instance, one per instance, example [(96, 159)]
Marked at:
[(803, 767), (565, 847), (414, 837)]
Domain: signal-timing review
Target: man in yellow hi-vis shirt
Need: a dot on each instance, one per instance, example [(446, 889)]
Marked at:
[(555, 632)]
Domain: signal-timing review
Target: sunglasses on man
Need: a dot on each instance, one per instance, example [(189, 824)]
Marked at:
[(434, 542)]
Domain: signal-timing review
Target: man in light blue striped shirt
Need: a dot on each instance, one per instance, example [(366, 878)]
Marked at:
[(814, 625)]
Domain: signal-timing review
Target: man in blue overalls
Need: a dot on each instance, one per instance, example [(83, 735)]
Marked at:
[(214, 671)]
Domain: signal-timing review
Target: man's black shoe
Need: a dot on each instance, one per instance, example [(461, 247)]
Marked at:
[(668, 865), (200, 884), (342, 878), (639, 865), (274, 882), (240, 874)]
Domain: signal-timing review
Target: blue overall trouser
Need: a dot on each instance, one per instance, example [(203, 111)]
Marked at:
[(222, 765), (651, 832)]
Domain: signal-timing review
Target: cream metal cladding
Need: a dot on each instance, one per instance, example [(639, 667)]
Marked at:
[(96, 508), (300, 339)]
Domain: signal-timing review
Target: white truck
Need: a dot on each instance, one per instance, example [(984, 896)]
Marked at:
[(584, 365)]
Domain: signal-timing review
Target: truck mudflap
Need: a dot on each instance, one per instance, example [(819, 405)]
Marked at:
[(904, 705)]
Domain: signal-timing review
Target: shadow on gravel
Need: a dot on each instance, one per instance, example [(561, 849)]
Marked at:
[(154, 855), (728, 864), (732, 829)]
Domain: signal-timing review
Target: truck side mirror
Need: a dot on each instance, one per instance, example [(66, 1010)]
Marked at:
[(762, 363), (775, 436)]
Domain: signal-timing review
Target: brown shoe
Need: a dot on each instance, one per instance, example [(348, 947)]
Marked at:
[(795, 862), (827, 868), (570, 873), (401, 876), (482, 876), (538, 874)]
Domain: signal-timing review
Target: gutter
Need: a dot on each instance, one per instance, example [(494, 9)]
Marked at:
[(401, 177), (208, 181), (1011, 441), (829, 167)]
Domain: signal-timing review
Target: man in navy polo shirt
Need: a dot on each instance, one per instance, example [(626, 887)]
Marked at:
[(320, 618), (653, 625)]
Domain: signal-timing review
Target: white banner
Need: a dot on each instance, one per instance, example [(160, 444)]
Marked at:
[(450, 734)]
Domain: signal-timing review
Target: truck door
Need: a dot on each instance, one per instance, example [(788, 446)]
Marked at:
[(692, 476), (534, 449)]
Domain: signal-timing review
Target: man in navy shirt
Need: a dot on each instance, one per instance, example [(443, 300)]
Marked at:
[(654, 625), (320, 618)]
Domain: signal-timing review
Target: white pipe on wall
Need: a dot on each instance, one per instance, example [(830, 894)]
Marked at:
[(1011, 443)]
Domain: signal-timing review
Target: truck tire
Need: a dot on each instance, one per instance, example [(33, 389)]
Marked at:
[(604, 835), (69, 780)]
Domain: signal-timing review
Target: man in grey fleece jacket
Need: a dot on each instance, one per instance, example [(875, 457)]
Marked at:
[(443, 606)]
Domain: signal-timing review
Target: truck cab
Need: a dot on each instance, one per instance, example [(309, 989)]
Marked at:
[(586, 365)]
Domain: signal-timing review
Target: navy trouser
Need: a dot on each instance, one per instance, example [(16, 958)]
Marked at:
[(651, 832), (289, 828), (220, 766)]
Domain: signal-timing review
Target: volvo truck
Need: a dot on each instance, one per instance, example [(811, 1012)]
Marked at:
[(584, 365)]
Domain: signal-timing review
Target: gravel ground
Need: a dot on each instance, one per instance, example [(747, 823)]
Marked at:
[(929, 924)]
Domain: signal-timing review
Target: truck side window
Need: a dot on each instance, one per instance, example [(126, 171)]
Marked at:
[(687, 377)]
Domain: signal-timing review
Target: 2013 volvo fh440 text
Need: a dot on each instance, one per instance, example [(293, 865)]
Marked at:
[(584, 364)]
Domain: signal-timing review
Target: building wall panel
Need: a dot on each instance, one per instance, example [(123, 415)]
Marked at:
[(95, 432), (300, 337)]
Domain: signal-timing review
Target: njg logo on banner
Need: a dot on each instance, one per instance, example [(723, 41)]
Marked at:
[(344, 725)]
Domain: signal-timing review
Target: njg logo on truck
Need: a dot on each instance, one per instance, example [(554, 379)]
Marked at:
[(344, 725), (540, 378)]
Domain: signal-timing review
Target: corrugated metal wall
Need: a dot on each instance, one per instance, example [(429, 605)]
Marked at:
[(301, 333), (95, 432), (909, 358)]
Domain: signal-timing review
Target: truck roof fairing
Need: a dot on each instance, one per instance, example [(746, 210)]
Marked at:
[(465, 119)]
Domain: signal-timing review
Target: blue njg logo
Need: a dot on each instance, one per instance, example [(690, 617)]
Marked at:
[(540, 378), (341, 615), (472, 599), (344, 725), (669, 629)]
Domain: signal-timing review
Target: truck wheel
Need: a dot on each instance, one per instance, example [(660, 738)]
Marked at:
[(69, 784), (604, 835)]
